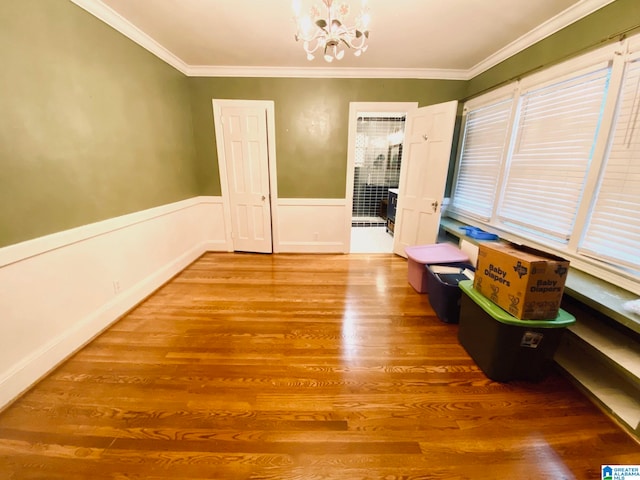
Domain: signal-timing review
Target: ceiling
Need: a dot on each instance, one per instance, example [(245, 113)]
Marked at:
[(454, 39)]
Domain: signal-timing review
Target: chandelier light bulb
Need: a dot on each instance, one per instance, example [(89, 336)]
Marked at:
[(295, 5), (330, 33), (306, 26), (365, 19)]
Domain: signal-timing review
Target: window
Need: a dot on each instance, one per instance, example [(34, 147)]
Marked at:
[(552, 147), (617, 205), (556, 163), (481, 158)]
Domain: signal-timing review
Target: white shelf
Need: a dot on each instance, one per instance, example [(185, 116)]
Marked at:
[(620, 398)]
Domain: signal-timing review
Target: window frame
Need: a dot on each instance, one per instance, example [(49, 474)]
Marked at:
[(608, 145), (617, 55)]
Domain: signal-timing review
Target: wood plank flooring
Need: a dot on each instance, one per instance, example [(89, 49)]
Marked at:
[(296, 367)]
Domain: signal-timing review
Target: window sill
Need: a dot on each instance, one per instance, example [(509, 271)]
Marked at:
[(598, 294)]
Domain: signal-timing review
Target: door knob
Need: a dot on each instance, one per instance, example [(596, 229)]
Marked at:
[(425, 137), (263, 198)]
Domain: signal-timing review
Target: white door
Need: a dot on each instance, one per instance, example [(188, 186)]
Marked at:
[(246, 158), (423, 174)]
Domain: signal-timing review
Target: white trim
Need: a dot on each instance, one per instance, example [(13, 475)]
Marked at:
[(571, 15), (633, 46), (269, 108), (311, 202), (38, 246), (112, 18), (273, 173), (493, 96), (600, 58), (354, 109), (323, 72), (563, 19), (312, 247), (60, 291)]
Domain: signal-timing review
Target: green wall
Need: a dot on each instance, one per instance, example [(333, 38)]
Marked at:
[(312, 114), (601, 27), (92, 125), (311, 118)]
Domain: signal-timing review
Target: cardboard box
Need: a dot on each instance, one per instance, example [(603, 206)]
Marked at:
[(525, 282)]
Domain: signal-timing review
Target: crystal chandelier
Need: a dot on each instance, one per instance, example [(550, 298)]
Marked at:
[(329, 33)]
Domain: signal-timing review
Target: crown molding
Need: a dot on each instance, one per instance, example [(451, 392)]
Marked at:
[(126, 28), (320, 72), (542, 31), (560, 21)]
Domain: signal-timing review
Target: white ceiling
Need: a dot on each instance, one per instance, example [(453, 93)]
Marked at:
[(455, 39)]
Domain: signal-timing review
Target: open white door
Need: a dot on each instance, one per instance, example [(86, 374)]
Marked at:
[(423, 174), (246, 168)]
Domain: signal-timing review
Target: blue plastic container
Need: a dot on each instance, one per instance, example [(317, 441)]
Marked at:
[(444, 293), (477, 233)]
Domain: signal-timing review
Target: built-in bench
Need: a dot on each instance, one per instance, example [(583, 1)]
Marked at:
[(601, 351)]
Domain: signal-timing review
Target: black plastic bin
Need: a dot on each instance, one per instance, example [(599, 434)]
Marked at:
[(444, 293), (504, 347)]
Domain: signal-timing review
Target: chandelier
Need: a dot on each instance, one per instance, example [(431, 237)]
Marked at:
[(329, 33)]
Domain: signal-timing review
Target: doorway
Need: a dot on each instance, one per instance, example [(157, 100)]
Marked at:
[(245, 142), (376, 137), (379, 138)]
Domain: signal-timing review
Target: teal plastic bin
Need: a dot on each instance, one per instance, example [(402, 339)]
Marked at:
[(503, 346)]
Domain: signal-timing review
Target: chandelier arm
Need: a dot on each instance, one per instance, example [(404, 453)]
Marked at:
[(362, 41), (318, 44)]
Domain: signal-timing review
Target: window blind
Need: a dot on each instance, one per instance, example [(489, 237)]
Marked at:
[(613, 232), (551, 150), (481, 158)]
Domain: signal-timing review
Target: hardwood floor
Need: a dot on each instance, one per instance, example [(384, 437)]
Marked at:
[(296, 367)]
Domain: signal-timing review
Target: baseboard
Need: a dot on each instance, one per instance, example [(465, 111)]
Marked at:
[(217, 246), (312, 247)]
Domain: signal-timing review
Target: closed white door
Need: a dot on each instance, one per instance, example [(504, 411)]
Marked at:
[(423, 174), (246, 156)]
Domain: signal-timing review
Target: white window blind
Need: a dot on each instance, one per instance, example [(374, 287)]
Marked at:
[(481, 158), (613, 232), (551, 150)]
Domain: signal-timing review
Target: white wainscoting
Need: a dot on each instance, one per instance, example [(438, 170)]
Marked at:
[(59, 291), (312, 226)]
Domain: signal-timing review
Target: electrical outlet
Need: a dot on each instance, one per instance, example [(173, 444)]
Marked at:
[(316, 236), (116, 286)]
